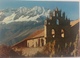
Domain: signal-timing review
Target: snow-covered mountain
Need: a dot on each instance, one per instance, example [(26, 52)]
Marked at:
[(16, 24), (24, 14)]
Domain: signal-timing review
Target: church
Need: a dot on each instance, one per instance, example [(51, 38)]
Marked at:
[(56, 27)]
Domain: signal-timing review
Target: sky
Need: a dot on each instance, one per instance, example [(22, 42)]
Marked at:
[(70, 8)]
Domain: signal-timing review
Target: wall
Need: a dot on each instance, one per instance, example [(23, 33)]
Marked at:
[(36, 42)]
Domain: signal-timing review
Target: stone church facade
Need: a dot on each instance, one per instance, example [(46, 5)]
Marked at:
[(57, 26)]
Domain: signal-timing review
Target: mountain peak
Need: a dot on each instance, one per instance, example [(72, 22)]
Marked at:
[(26, 14)]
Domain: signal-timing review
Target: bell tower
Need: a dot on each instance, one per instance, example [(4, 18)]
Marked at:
[(56, 26)]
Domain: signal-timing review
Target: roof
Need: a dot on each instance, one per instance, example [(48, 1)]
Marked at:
[(37, 33), (72, 23)]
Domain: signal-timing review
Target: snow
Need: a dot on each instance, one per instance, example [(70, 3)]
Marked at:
[(1, 13), (9, 18), (36, 8), (23, 9), (47, 13), (26, 14), (27, 18)]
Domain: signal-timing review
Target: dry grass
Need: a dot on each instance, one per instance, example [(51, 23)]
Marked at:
[(7, 52)]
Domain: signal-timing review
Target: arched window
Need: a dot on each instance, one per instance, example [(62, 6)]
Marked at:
[(57, 14), (51, 15), (53, 33), (57, 22), (62, 33), (48, 23), (54, 13)]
